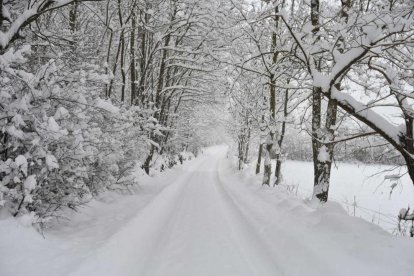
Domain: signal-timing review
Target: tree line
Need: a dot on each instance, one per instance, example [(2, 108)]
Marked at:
[(94, 91), (336, 70)]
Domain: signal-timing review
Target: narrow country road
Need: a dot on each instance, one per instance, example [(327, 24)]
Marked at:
[(188, 229), (201, 236), (201, 225)]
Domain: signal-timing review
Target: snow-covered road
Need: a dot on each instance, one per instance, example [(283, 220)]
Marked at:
[(205, 223), (208, 221), (191, 228)]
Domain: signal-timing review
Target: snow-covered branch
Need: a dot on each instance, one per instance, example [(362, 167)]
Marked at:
[(27, 16)]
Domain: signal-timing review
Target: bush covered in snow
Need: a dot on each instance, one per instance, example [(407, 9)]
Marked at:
[(60, 142)]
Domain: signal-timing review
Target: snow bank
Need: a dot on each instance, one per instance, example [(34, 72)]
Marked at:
[(309, 239), (67, 243)]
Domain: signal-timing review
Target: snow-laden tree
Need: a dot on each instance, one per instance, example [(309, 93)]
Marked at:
[(351, 58), (246, 95), (258, 46), (68, 130), (346, 50)]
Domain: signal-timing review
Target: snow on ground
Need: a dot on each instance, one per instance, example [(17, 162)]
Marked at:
[(68, 243), (360, 183), (203, 219)]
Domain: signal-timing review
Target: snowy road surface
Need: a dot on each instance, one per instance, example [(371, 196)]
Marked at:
[(210, 222)]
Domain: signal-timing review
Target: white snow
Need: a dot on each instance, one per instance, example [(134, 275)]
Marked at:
[(18, 120), (20, 160), (26, 221), (106, 105), (52, 125), (202, 219), (52, 162), (356, 182), (61, 113), (323, 155), (389, 128), (30, 182), (21, 163)]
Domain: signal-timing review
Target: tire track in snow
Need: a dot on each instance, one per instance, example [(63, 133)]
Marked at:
[(207, 247), (287, 250), (261, 258), (127, 251)]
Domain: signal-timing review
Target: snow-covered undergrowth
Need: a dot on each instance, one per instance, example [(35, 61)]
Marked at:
[(164, 162), (61, 145)]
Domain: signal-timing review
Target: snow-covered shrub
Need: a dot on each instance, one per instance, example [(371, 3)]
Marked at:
[(60, 143), (79, 110), (185, 156)]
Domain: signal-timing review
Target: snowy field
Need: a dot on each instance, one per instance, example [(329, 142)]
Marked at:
[(203, 218), (359, 185)]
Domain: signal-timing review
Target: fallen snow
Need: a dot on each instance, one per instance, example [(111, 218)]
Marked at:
[(106, 105), (323, 155), (202, 219), (52, 162), (52, 125), (21, 162), (30, 182), (359, 184)]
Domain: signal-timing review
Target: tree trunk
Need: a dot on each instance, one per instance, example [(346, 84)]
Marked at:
[(246, 152), (409, 161), (163, 64), (123, 73), (108, 52), (269, 141), (259, 159), (267, 173), (323, 140), (321, 154), (278, 170), (111, 83), (143, 60), (240, 154), (73, 15), (316, 145), (325, 154), (108, 55), (122, 55), (147, 163), (160, 86), (133, 68)]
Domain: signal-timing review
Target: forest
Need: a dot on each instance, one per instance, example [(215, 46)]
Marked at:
[(96, 94)]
